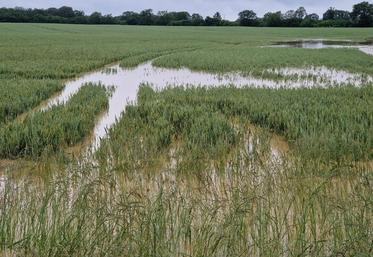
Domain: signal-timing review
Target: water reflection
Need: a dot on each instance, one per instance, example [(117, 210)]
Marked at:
[(127, 82), (366, 47), (323, 76)]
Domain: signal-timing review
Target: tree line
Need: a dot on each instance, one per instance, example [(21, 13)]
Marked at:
[(361, 16)]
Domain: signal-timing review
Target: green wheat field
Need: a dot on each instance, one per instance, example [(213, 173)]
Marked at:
[(184, 171)]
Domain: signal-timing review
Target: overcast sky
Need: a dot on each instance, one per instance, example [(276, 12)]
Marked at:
[(228, 8)]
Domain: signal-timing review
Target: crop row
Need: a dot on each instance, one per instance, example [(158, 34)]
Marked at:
[(20, 95), (327, 124), (147, 131), (60, 126), (255, 60)]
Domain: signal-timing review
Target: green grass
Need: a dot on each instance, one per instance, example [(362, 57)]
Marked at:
[(34, 52), (327, 124), (176, 177), (254, 60), (151, 127), (20, 95), (58, 127), (255, 209)]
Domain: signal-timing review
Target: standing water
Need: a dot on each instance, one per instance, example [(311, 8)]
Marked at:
[(127, 81), (366, 47)]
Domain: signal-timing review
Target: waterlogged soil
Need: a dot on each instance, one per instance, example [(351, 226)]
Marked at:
[(256, 173), (126, 82), (366, 47)]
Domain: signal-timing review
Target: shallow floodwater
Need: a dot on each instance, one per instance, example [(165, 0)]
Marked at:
[(248, 188), (323, 76), (127, 81), (366, 47)]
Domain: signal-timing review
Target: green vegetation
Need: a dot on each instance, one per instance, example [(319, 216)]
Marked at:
[(150, 128), (33, 55), (50, 130), (36, 59), (20, 95), (251, 210), (328, 124), (183, 172), (254, 60)]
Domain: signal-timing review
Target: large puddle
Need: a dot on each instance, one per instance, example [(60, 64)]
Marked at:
[(127, 81), (366, 47)]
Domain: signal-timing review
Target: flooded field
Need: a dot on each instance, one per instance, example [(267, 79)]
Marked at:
[(366, 47), (208, 147), (126, 83)]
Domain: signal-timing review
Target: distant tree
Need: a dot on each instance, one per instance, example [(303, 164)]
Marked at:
[(362, 14), (272, 19), (107, 19), (214, 21), (80, 19), (162, 18), (66, 12), (53, 11), (217, 16), (78, 13), (130, 18), (172, 18), (288, 19), (300, 13), (197, 19), (294, 18), (181, 19), (247, 18), (334, 14), (39, 12), (336, 18), (95, 18), (146, 17), (311, 20), (329, 14), (179, 16), (162, 13), (313, 17), (288, 15), (210, 21)]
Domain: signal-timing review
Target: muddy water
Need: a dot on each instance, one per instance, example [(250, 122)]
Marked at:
[(366, 47), (127, 82)]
